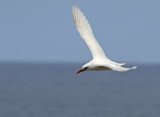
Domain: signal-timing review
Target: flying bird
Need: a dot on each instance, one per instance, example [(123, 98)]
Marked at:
[(99, 62)]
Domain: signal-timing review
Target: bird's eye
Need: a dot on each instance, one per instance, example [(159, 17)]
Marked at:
[(85, 68)]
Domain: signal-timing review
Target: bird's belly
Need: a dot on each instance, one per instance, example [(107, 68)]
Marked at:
[(101, 68)]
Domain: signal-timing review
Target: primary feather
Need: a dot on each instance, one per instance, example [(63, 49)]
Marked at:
[(86, 33)]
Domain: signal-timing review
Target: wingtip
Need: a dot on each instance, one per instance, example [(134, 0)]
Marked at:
[(74, 7)]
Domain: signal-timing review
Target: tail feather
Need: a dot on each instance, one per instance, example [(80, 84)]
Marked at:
[(123, 69), (119, 64), (134, 67)]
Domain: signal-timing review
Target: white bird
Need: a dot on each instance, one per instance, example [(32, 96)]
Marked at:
[(99, 62)]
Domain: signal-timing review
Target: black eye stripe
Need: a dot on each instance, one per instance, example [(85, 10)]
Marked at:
[(85, 68)]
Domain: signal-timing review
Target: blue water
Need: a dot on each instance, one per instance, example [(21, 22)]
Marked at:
[(54, 90)]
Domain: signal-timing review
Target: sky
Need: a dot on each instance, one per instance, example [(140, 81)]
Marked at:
[(44, 31)]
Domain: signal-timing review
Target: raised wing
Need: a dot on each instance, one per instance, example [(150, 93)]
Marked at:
[(86, 33)]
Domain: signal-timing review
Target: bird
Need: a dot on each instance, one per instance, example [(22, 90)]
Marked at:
[(100, 61)]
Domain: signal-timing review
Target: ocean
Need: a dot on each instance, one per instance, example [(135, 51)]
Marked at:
[(54, 90)]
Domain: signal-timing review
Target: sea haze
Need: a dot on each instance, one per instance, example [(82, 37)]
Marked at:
[(54, 90)]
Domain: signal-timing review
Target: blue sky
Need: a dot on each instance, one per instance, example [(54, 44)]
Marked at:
[(44, 31)]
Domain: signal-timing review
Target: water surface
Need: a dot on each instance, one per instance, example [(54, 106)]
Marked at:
[(54, 90)]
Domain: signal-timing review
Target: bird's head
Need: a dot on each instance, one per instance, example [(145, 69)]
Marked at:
[(84, 68)]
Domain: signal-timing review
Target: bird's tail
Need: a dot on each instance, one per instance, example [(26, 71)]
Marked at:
[(134, 67), (123, 69)]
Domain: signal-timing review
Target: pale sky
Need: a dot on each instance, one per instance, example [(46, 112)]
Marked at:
[(44, 31)]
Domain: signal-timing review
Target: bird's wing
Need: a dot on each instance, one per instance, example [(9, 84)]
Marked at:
[(86, 33)]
